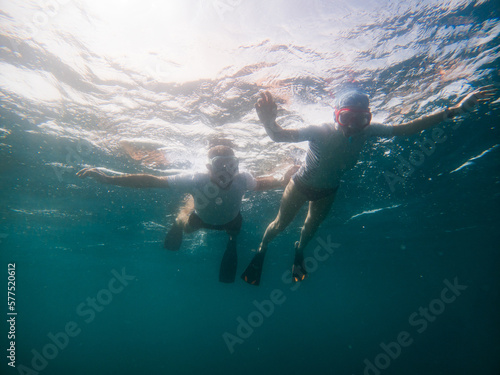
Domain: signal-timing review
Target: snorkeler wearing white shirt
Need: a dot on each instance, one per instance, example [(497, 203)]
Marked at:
[(333, 149), (214, 201)]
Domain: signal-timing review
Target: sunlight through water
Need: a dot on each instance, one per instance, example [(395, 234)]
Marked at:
[(147, 86)]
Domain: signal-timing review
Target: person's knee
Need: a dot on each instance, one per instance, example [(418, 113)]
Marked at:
[(279, 225)]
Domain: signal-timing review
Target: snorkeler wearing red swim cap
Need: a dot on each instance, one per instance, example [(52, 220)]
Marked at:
[(334, 148)]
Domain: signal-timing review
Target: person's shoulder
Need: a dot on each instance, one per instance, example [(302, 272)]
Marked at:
[(327, 127), (377, 129), (247, 180), (189, 175), (200, 175), (328, 130), (245, 176), (188, 179), (378, 124), (316, 132)]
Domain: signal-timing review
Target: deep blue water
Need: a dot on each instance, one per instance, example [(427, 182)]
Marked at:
[(89, 259)]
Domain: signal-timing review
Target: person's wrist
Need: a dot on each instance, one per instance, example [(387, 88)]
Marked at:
[(270, 122)]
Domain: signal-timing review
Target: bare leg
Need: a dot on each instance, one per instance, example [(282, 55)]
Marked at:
[(291, 202), (318, 211), (173, 240), (184, 213)]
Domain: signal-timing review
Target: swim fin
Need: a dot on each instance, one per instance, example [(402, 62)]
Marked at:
[(229, 263), (299, 272), (254, 270), (173, 240)]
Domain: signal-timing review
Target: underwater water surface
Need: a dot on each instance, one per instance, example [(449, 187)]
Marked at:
[(406, 276)]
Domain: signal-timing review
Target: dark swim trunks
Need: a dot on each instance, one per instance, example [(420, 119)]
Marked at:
[(234, 225), (313, 194)]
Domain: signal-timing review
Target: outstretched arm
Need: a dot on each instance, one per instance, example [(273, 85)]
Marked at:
[(269, 183), (267, 111), (127, 180), (416, 126)]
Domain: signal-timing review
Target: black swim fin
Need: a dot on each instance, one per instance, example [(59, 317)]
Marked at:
[(173, 240), (229, 263), (299, 272), (254, 270)]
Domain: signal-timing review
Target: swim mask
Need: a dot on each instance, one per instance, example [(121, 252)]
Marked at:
[(353, 118), (353, 110)]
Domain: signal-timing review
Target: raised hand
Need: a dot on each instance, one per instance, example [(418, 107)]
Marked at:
[(266, 108), (483, 94)]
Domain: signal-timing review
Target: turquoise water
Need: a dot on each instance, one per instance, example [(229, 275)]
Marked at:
[(410, 281)]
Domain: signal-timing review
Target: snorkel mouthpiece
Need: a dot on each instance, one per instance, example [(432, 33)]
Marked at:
[(224, 169)]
